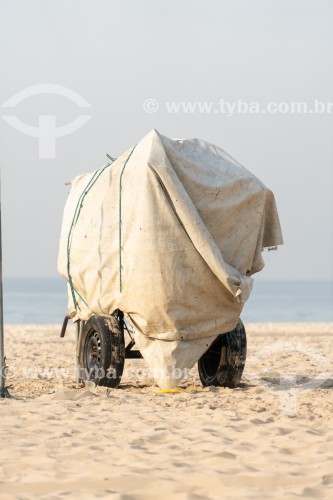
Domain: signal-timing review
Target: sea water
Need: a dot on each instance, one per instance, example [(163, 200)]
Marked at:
[(44, 300)]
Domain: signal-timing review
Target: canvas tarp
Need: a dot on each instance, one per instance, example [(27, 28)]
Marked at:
[(170, 234)]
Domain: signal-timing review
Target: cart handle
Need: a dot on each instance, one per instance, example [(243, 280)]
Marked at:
[(64, 325)]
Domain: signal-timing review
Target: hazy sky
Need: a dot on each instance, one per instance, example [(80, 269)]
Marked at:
[(118, 54)]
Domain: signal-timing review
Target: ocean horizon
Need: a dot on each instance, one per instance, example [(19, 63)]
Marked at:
[(44, 301)]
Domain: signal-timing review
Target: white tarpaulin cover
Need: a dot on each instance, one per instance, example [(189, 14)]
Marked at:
[(170, 234)]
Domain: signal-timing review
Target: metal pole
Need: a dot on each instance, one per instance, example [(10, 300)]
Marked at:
[(3, 391)]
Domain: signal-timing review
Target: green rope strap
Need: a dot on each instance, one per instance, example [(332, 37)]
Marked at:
[(74, 291), (120, 219), (76, 216)]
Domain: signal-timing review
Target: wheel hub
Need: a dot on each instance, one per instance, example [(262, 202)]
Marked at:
[(93, 352)]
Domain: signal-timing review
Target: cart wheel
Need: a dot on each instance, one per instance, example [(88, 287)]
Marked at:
[(102, 351), (223, 363)]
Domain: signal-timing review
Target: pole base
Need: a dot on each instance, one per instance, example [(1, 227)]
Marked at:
[(4, 393)]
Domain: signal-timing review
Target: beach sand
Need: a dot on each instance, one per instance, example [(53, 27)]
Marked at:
[(270, 438)]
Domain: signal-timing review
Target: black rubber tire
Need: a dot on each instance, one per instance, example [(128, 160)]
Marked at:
[(102, 351), (223, 363)]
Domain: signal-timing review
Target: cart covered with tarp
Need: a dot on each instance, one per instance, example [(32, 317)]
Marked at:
[(164, 241)]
